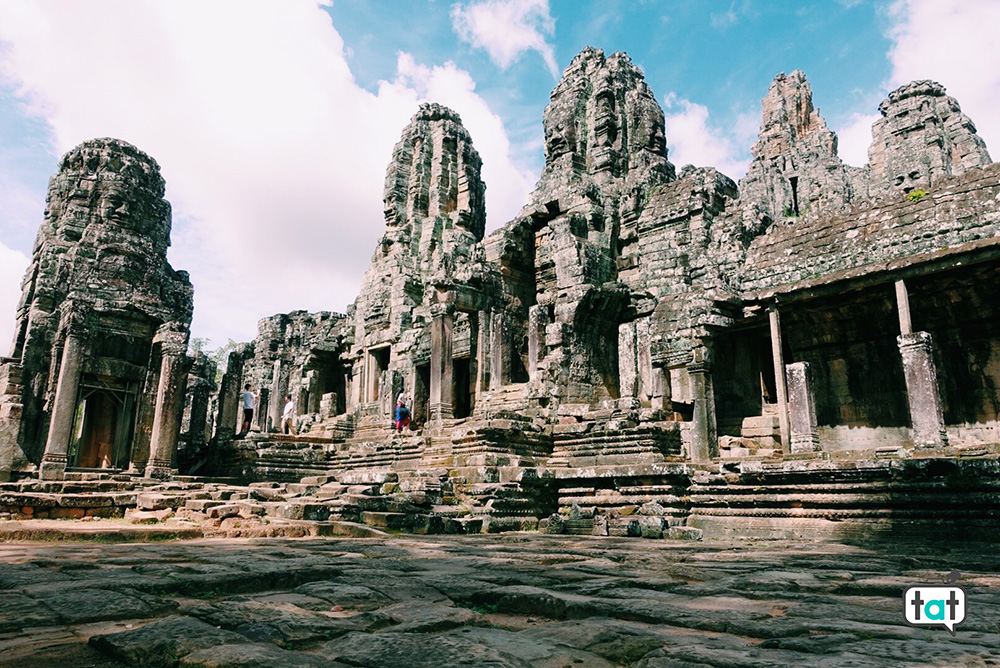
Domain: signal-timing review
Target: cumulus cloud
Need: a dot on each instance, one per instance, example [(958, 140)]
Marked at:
[(955, 43), (12, 267), (691, 139), (507, 28), (854, 138), (274, 157)]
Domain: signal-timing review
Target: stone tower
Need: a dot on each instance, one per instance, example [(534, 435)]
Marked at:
[(435, 216), (795, 168), (103, 322), (605, 150), (922, 136)]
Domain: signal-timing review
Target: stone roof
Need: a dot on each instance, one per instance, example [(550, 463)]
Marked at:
[(960, 215)]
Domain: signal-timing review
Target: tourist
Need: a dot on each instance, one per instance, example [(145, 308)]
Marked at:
[(288, 416), (402, 415), (249, 399)]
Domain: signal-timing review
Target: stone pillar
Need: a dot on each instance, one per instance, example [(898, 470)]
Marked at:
[(169, 404), (442, 366), (903, 307), (276, 399), (704, 440), (922, 393), (644, 360), (482, 354), (499, 351), (473, 318), (53, 466), (628, 380), (538, 318), (778, 355), (802, 408)]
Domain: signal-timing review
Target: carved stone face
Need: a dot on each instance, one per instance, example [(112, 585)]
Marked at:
[(115, 203), (913, 179)]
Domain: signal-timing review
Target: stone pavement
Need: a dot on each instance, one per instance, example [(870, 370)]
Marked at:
[(509, 600)]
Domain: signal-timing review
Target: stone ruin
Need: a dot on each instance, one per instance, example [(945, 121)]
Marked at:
[(94, 379), (641, 351)]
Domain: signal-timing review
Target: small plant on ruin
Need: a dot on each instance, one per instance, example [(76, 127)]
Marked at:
[(916, 195)]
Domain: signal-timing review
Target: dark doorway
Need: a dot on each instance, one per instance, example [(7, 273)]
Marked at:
[(421, 390), (463, 388), (103, 426)]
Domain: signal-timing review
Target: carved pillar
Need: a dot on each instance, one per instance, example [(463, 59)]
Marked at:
[(53, 466), (442, 365), (482, 376), (628, 380), (276, 401), (778, 355), (802, 408), (169, 404), (499, 351), (538, 318), (922, 393), (704, 439)]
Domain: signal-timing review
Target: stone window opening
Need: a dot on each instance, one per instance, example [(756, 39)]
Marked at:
[(794, 182), (378, 365)]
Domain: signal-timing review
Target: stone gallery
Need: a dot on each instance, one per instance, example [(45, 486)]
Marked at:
[(643, 351)]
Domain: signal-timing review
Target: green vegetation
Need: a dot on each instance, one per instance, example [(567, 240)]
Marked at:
[(916, 195)]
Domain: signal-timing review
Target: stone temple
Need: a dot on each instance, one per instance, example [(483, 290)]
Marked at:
[(643, 350)]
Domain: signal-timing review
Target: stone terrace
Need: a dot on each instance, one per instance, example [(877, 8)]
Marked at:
[(513, 600)]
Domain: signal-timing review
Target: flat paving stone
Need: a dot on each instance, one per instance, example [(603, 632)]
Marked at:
[(488, 600)]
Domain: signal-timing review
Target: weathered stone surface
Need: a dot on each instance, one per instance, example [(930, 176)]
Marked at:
[(253, 655), (162, 643), (388, 649), (99, 279), (552, 601), (922, 137), (795, 168)]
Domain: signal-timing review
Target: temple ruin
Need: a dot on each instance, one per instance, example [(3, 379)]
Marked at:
[(94, 379), (643, 350)]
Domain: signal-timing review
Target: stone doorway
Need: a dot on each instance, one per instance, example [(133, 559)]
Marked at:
[(421, 391), (103, 427), (463, 388)]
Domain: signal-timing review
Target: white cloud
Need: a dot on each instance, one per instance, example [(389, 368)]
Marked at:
[(954, 42), (274, 157), (692, 140), (854, 138), (12, 267), (507, 28)]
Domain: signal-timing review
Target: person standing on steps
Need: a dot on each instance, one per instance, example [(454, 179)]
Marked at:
[(402, 415), (249, 399), (288, 416)]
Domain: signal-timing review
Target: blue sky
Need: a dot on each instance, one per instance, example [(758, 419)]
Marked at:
[(273, 122)]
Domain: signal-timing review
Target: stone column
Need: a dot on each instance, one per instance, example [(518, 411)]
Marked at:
[(473, 360), (628, 380), (442, 366), (169, 404), (276, 399), (704, 441), (53, 466), (778, 355), (802, 408), (499, 351), (538, 318), (482, 354), (922, 393)]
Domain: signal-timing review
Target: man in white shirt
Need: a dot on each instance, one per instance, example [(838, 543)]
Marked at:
[(248, 400), (288, 415)]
